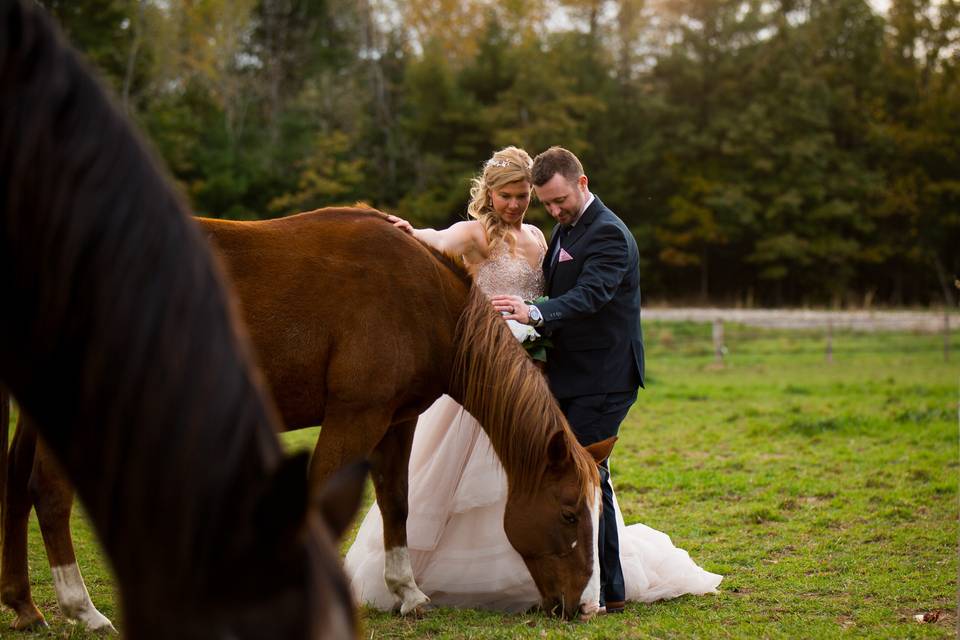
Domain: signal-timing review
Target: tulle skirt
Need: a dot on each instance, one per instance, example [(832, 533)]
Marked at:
[(459, 552)]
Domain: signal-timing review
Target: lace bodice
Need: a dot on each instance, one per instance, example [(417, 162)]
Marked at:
[(506, 274)]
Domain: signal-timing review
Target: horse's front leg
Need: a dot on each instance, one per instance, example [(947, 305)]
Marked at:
[(53, 499), (349, 434), (14, 572), (390, 461)]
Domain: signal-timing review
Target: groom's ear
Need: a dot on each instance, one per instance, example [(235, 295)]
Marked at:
[(601, 450)]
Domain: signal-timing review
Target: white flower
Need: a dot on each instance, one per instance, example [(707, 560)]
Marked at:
[(522, 332)]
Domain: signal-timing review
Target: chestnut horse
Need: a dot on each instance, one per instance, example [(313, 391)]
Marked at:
[(120, 342), (359, 327)]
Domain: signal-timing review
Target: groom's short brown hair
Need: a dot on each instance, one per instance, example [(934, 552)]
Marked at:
[(556, 160)]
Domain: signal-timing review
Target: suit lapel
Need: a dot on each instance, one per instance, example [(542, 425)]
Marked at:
[(554, 239), (576, 233), (572, 238), (548, 257)]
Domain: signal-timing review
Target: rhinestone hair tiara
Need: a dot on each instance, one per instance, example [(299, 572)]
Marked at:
[(493, 162)]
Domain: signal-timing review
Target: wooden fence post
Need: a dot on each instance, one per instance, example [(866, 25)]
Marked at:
[(946, 334), (830, 340), (718, 348)]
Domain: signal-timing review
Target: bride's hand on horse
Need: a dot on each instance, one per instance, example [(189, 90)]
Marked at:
[(401, 224)]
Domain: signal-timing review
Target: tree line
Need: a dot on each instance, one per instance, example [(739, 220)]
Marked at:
[(762, 152)]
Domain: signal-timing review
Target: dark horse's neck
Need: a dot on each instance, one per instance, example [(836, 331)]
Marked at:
[(495, 380), (117, 337)]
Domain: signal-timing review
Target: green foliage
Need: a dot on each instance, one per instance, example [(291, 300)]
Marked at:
[(794, 151), (328, 176), (99, 28)]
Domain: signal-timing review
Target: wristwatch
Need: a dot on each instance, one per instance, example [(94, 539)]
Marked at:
[(535, 317)]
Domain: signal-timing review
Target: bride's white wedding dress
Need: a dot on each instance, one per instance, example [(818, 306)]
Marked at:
[(458, 490)]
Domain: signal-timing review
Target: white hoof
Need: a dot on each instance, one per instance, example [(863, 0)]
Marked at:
[(398, 575), (413, 602), (96, 621), (75, 602)]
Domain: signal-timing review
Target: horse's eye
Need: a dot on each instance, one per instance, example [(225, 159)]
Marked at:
[(569, 517)]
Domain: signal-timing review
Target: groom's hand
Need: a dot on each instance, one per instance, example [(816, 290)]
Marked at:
[(513, 307)]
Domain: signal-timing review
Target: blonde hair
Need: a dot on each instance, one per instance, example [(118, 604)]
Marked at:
[(508, 165)]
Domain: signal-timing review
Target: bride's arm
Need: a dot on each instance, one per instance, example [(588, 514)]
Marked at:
[(460, 239)]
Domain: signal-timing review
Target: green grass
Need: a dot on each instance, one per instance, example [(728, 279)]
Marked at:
[(825, 493)]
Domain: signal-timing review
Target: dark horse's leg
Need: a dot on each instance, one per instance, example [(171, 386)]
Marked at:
[(390, 462), (53, 500), (14, 574)]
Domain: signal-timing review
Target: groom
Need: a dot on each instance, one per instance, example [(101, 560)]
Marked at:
[(593, 319)]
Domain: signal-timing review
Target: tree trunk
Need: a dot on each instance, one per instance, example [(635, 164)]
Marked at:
[(945, 280), (132, 54), (704, 275), (381, 104)]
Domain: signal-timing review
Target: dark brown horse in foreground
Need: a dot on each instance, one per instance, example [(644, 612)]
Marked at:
[(359, 327), (119, 342)]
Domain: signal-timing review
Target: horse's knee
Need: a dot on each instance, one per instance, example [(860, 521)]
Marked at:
[(394, 509), (53, 505), (390, 468), (18, 504)]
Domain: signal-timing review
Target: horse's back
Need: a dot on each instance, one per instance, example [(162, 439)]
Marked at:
[(320, 261), (340, 305)]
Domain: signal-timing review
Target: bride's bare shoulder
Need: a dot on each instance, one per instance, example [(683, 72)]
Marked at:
[(466, 227), (534, 231), (472, 238)]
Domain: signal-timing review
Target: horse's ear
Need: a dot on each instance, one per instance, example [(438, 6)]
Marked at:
[(341, 495), (558, 450), (284, 501), (601, 450)]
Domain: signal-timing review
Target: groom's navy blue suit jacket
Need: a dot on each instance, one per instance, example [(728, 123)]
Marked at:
[(593, 314)]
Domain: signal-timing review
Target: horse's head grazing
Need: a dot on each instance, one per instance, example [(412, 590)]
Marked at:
[(553, 502), (554, 527)]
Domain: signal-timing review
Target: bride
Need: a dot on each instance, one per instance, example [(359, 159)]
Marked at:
[(458, 549)]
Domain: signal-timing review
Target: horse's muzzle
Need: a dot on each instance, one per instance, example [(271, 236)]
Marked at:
[(556, 607), (588, 611)]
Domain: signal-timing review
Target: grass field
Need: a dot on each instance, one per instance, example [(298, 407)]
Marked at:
[(826, 493)]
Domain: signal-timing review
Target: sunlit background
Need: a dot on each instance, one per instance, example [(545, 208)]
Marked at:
[(762, 153)]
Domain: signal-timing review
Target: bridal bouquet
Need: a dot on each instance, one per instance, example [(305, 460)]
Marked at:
[(535, 344)]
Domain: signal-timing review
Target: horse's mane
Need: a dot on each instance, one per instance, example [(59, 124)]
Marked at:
[(120, 340), (507, 394), (503, 389)]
